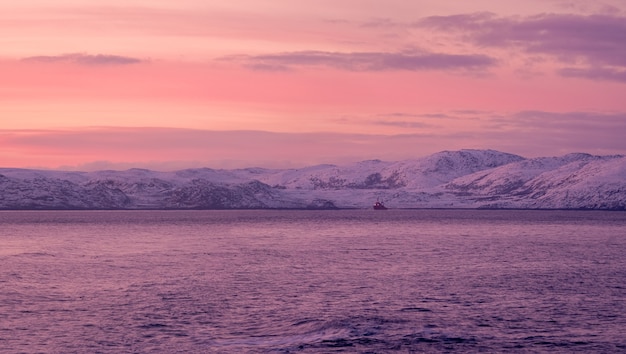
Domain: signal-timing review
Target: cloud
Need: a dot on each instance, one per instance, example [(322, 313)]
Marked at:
[(423, 121), (589, 121), (161, 147), (380, 23), (85, 59), (562, 132), (402, 123), (527, 133), (464, 22), (537, 121), (366, 61), (601, 73), (593, 41)]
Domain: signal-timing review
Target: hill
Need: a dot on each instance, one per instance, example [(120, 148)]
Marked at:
[(448, 179)]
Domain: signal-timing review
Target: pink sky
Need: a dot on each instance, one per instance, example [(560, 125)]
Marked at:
[(167, 85)]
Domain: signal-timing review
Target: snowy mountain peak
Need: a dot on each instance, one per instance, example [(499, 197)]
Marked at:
[(458, 179), (460, 162)]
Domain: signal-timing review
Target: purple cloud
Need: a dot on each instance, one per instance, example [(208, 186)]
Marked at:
[(85, 59), (402, 123), (527, 133), (601, 73), (367, 61), (380, 23), (409, 120), (603, 128), (596, 40)]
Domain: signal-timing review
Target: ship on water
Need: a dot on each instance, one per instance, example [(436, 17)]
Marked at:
[(379, 205)]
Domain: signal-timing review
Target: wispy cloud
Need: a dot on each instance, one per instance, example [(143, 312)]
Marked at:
[(602, 122), (380, 23), (85, 59), (595, 132), (160, 147), (429, 121), (366, 61), (601, 73), (425, 123), (595, 41), (402, 123), (528, 133)]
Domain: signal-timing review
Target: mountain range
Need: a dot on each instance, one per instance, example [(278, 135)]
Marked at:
[(448, 179)]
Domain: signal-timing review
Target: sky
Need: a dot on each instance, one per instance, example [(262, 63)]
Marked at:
[(165, 85)]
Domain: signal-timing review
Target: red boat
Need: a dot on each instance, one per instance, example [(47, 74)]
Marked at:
[(379, 206)]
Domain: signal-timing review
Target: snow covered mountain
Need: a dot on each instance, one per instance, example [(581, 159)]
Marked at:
[(448, 179), (574, 181)]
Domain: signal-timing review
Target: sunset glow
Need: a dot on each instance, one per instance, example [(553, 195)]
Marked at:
[(167, 85)]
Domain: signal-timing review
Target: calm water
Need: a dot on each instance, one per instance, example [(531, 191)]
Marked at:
[(312, 281)]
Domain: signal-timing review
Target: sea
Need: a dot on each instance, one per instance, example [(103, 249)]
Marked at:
[(298, 281)]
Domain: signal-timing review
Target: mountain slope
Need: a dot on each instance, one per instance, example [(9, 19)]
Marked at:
[(575, 181), (420, 173), (458, 179)]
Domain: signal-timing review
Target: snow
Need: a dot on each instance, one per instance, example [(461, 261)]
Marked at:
[(448, 179)]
